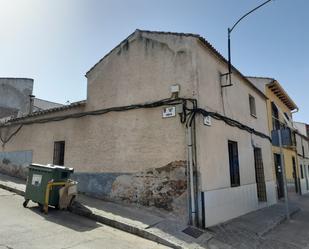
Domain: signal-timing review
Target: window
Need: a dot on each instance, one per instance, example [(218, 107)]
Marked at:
[(234, 164), (259, 175), (301, 172), (59, 153), (275, 116), (252, 106)]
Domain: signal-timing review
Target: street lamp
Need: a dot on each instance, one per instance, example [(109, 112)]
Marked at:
[(285, 189), (229, 31)]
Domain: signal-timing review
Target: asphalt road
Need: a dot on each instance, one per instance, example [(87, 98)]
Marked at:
[(293, 234), (27, 228)]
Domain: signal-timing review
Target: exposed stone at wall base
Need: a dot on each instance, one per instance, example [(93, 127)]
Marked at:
[(157, 187), (164, 187)]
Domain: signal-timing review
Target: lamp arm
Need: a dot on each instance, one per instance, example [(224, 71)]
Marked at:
[(248, 13), (229, 31)]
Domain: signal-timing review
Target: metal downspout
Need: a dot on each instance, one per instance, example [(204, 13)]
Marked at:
[(191, 177)]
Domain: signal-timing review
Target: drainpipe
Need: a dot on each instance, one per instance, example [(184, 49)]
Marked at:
[(295, 111), (297, 171), (191, 188)]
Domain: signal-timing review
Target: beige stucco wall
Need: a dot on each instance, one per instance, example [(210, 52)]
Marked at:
[(230, 101), (142, 70), (116, 142), (139, 71)]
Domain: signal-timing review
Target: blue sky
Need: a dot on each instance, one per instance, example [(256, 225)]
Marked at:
[(57, 41)]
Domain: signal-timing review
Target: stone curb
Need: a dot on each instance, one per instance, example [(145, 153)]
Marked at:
[(124, 227), (11, 189), (79, 210)]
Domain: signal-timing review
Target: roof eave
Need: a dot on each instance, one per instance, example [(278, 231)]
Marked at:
[(49, 111), (289, 102)]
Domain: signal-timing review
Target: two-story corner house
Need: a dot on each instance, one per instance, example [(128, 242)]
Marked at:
[(159, 128), (302, 144), (280, 109)]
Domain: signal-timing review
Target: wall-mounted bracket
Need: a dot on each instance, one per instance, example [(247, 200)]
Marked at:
[(230, 80)]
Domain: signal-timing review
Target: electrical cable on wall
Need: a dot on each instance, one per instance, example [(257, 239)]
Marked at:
[(4, 141), (187, 116), (227, 120)]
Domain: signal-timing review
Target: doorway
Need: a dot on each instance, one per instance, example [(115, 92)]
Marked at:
[(279, 175), (295, 175), (306, 177), (259, 175)]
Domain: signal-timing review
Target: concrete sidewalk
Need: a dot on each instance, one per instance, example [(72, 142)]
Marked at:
[(247, 231), (241, 232)]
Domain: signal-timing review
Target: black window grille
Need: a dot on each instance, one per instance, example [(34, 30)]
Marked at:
[(259, 175), (59, 148)]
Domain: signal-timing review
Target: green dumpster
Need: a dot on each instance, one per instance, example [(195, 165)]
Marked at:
[(39, 176)]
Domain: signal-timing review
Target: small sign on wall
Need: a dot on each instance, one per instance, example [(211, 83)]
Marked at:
[(36, 180), (169, 112), (207, 121)]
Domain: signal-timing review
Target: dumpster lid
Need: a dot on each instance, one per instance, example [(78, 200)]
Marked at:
[(51, 166)]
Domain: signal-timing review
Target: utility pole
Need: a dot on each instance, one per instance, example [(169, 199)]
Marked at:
[(286, 197)]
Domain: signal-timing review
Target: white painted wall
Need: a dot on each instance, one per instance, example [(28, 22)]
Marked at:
[(224, 204), (303, 181), (301, 128)]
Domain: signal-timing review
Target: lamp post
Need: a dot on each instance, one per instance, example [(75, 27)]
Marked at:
[(229, 31), (285, 187)]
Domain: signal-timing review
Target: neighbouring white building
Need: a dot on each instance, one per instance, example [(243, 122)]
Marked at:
[(160, 127), (302, 145)]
